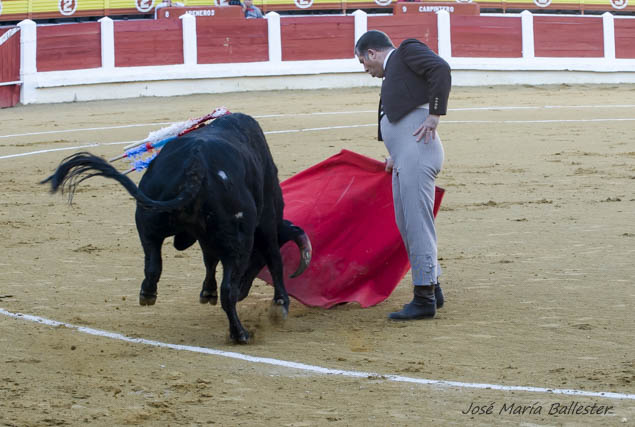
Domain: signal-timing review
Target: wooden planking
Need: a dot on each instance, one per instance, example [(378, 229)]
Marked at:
[(320, 37), (146, 42), (68, 46), (568, 37), (422, 27), (625, 38), (486, 37), (10, 57), (10, 69), (231, 40)]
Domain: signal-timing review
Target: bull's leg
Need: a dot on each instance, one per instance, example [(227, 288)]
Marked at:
[(271, 252), (257, 262), (209, 293), (280, 296), (152, 270), (229, 298)]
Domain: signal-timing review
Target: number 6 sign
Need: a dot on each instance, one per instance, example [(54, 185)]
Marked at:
[(144, 5)]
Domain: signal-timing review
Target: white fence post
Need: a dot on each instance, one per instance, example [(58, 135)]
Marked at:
[(527, 22), (609, 35), (444, 34), (28, 60), (275, 39), (107, 43), (190, 49), (361, 23)]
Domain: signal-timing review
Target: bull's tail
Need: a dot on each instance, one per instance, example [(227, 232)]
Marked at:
[(81, 166)]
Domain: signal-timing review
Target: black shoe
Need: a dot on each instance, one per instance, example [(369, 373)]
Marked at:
[(438, 295), (422, 306)]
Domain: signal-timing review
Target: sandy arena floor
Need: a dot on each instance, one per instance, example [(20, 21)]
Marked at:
[(536, 238)]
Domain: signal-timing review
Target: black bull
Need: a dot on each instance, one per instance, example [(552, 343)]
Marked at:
[(217, 185)]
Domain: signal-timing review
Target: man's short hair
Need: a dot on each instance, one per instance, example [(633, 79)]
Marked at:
[(373, 39)]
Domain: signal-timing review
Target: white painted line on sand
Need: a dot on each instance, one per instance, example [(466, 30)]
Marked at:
[(313, 368), (97, 144), (48, 132), (331, 113), (76, 147), (626, 119)]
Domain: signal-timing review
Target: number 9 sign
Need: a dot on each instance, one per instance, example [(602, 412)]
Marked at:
[(67, 7), (144, 5)]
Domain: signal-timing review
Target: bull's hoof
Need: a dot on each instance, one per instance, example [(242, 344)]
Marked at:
[(145, 299), (241, 338), (208, 297), (210, 300), (278, 311)]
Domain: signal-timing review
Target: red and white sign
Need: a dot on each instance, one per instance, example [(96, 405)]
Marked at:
[(304, 4), (144, 6), (617, 4), (542, 3), (407, 8), (67, 7), (220, 12)]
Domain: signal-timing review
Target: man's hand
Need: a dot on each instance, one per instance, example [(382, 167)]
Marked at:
[(389, 164), (427, 130)]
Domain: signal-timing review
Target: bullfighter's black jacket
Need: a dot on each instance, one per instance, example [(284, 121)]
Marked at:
[(414, 75)]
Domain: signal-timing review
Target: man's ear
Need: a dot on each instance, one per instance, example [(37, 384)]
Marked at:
[(371, 54)]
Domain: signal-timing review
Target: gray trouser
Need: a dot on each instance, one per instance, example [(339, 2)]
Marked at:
[(416, 167)]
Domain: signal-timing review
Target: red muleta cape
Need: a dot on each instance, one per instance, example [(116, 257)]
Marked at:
[(345, 206)]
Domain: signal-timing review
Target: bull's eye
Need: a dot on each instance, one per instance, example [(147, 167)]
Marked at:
[(239, 215), (223, 175)]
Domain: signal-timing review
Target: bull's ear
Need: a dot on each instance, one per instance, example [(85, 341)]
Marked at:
[(292, 227), (296, 229)]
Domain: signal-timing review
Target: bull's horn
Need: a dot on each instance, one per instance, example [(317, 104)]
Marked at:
[(304, 244)]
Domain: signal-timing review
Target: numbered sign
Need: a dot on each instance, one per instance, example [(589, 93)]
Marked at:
[(303, 4), (67, 7), (617, 4), (144, 6), (542, 3)]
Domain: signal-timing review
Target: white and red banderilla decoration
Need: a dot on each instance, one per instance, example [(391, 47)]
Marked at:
[(157, 139)]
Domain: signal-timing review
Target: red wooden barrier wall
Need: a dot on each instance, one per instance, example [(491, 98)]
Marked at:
[(10, 69), (568, 37), (399, 28), (231, 40), (625, 38), (331, 37), (139, 43), (483, 36), (143, 42), (68, 46)]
